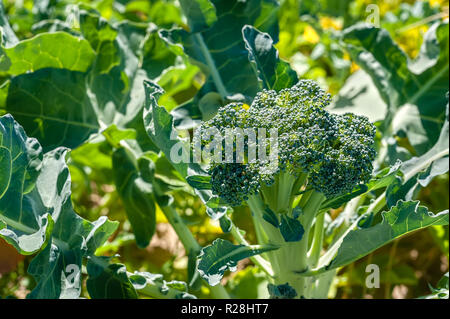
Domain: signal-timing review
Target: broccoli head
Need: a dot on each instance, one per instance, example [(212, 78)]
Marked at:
[(331, 153)]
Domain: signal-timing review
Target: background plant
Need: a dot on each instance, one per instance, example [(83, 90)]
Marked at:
[(83, 89)]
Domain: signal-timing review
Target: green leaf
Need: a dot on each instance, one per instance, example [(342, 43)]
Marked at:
[(273, 73), (47, 50), (360, 96), (199, 181), (281, 291), (159, 125), (222, 255), (54, 106), (441, 290), (291, 229), (402, 219), (37, 211), (109, 281), (7, 36), (270, 217), (219, 50), (200, 14), (114, 135), (136, 192), (422, 82), (155, 286), (101, 36), (419, 171), (225, 224)]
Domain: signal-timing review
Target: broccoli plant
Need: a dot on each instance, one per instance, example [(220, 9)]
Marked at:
[(95, 156), (320, 156), (314, 162)]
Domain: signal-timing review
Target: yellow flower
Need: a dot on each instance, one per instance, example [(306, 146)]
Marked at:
[(310, 35), (438, 3), (245, 106), (329, 23), (354, 67), (410, 40)]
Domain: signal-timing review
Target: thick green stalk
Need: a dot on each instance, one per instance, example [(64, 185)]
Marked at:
[(268, 231), (296, 254), (189, 243), (285, 185), (317, 244), (258, 260), (183, 232)]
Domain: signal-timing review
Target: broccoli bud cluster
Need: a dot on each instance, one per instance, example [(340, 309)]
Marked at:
[(335, 151)]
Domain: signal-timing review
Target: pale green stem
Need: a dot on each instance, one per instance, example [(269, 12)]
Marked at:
[(183, 232), (293, 255), (258, 260), (189, 243), (317, 244), (285, 185)]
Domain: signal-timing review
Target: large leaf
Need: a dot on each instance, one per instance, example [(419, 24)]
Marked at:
[(220, 49), (419, 171), (136, 191), (200, 14), (159, 125), (422, 82), (49, 50), (222, 255), (400, 220), (109, 281), (37, 214), (360, 96), (63, 107), (54, 106), (273, 73)]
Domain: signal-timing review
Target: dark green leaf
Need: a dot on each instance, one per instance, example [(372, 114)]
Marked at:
[(53, 105), (109, 281), (200, 14), (222, 255), (291, 229), (199, 181), (270, 217), (136, 191), (281, 291), (399, 221), (37, 215), (273, 73)]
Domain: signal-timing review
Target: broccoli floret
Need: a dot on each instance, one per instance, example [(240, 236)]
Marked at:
[(328, 153)]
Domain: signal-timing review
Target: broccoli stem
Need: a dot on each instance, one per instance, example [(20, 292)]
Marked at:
[(268, 231), (317, 244), (291, 257), (286, 183), (297, 252), (258, 260), (190, 244)]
